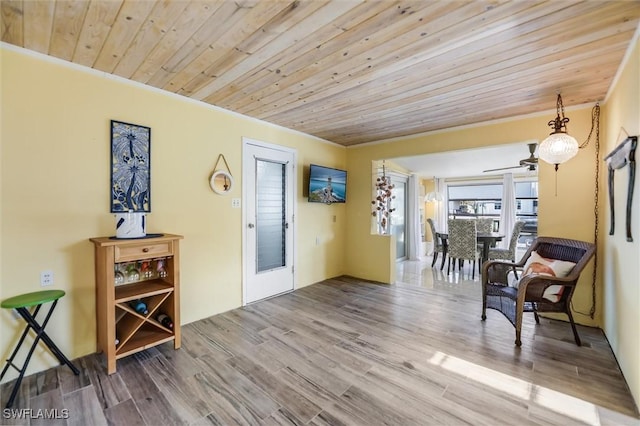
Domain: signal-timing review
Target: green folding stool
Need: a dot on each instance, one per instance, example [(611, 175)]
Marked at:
[(21, 304)]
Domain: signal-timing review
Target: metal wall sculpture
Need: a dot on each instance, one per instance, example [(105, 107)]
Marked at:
[(622, 155)]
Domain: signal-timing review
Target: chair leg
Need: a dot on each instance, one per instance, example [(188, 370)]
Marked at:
[(473, 270), (449, 265), (573, 327), (535, 315), (40, 334), (435, 257), (518, 324), (444, 256)]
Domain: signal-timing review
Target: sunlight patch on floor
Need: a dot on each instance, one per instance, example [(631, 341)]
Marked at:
[(558, 402)]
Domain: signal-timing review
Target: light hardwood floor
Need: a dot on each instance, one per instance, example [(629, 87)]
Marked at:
[(350, 352)]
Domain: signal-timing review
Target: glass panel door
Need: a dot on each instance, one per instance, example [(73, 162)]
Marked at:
[(271, 215)]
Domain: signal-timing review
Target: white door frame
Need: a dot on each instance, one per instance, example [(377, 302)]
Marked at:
[(248, 141)]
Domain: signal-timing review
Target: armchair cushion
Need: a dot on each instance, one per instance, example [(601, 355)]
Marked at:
[(538, 265)]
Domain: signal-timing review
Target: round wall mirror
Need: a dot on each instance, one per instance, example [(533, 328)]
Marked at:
[(221, 182)]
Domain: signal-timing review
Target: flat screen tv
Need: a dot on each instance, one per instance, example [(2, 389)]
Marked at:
[(327, 185)]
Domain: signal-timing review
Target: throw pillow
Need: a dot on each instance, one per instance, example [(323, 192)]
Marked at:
[(538, 265)]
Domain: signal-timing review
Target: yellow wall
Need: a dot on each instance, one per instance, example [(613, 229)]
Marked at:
[(621, 299), (55, 192)]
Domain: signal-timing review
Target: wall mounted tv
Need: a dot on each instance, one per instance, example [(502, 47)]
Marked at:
[(327, 185)]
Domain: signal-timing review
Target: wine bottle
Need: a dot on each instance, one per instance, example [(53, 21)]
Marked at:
[(164, 319), (139, 306)]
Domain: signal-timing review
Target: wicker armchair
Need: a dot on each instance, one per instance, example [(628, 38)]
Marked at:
[(531, 295)]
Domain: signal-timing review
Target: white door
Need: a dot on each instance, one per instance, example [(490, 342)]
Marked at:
[(268, 214)]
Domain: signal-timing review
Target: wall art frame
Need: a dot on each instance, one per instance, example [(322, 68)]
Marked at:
[(130, 167)]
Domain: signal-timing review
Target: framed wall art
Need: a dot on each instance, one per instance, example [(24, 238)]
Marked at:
[(130, 168)]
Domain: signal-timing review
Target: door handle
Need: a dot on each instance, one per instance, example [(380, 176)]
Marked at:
[(251, 226)]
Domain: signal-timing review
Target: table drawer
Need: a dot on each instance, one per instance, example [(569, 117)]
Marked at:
[(143, 251)]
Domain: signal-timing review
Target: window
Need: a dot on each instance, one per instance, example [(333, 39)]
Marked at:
[(485, 200)]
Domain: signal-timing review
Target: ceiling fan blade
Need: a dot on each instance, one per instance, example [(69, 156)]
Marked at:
[(502, 168), (531, 161)]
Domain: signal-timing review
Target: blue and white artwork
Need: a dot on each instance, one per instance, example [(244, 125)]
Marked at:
[(130, 167), (327, 185)]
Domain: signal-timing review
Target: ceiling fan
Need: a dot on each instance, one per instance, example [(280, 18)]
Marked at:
[(531, 162)]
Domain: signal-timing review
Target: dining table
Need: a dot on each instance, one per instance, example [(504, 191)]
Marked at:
[(487, 239)]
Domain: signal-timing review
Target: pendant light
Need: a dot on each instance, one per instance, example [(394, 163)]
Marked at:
[(559, 146), (433, 196)]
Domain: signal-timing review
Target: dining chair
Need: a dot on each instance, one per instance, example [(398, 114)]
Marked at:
[(463, 243), (438, 247), (551, 268), (484, 225), (508, 253)]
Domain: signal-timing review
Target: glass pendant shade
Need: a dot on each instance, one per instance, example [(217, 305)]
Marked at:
[(558, 148)]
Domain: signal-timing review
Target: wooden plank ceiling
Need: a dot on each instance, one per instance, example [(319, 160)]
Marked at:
[(348, 71)]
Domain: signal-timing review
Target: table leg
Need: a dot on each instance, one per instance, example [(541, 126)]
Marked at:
[(485, 250), (445, 249)]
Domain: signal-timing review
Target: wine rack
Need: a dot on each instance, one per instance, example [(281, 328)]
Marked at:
[(129, 270)]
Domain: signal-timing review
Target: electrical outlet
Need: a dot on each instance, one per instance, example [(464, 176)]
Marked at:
[(235, 203), (46, 278)]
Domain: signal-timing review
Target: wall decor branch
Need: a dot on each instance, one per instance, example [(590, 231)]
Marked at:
[(383, 199)]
